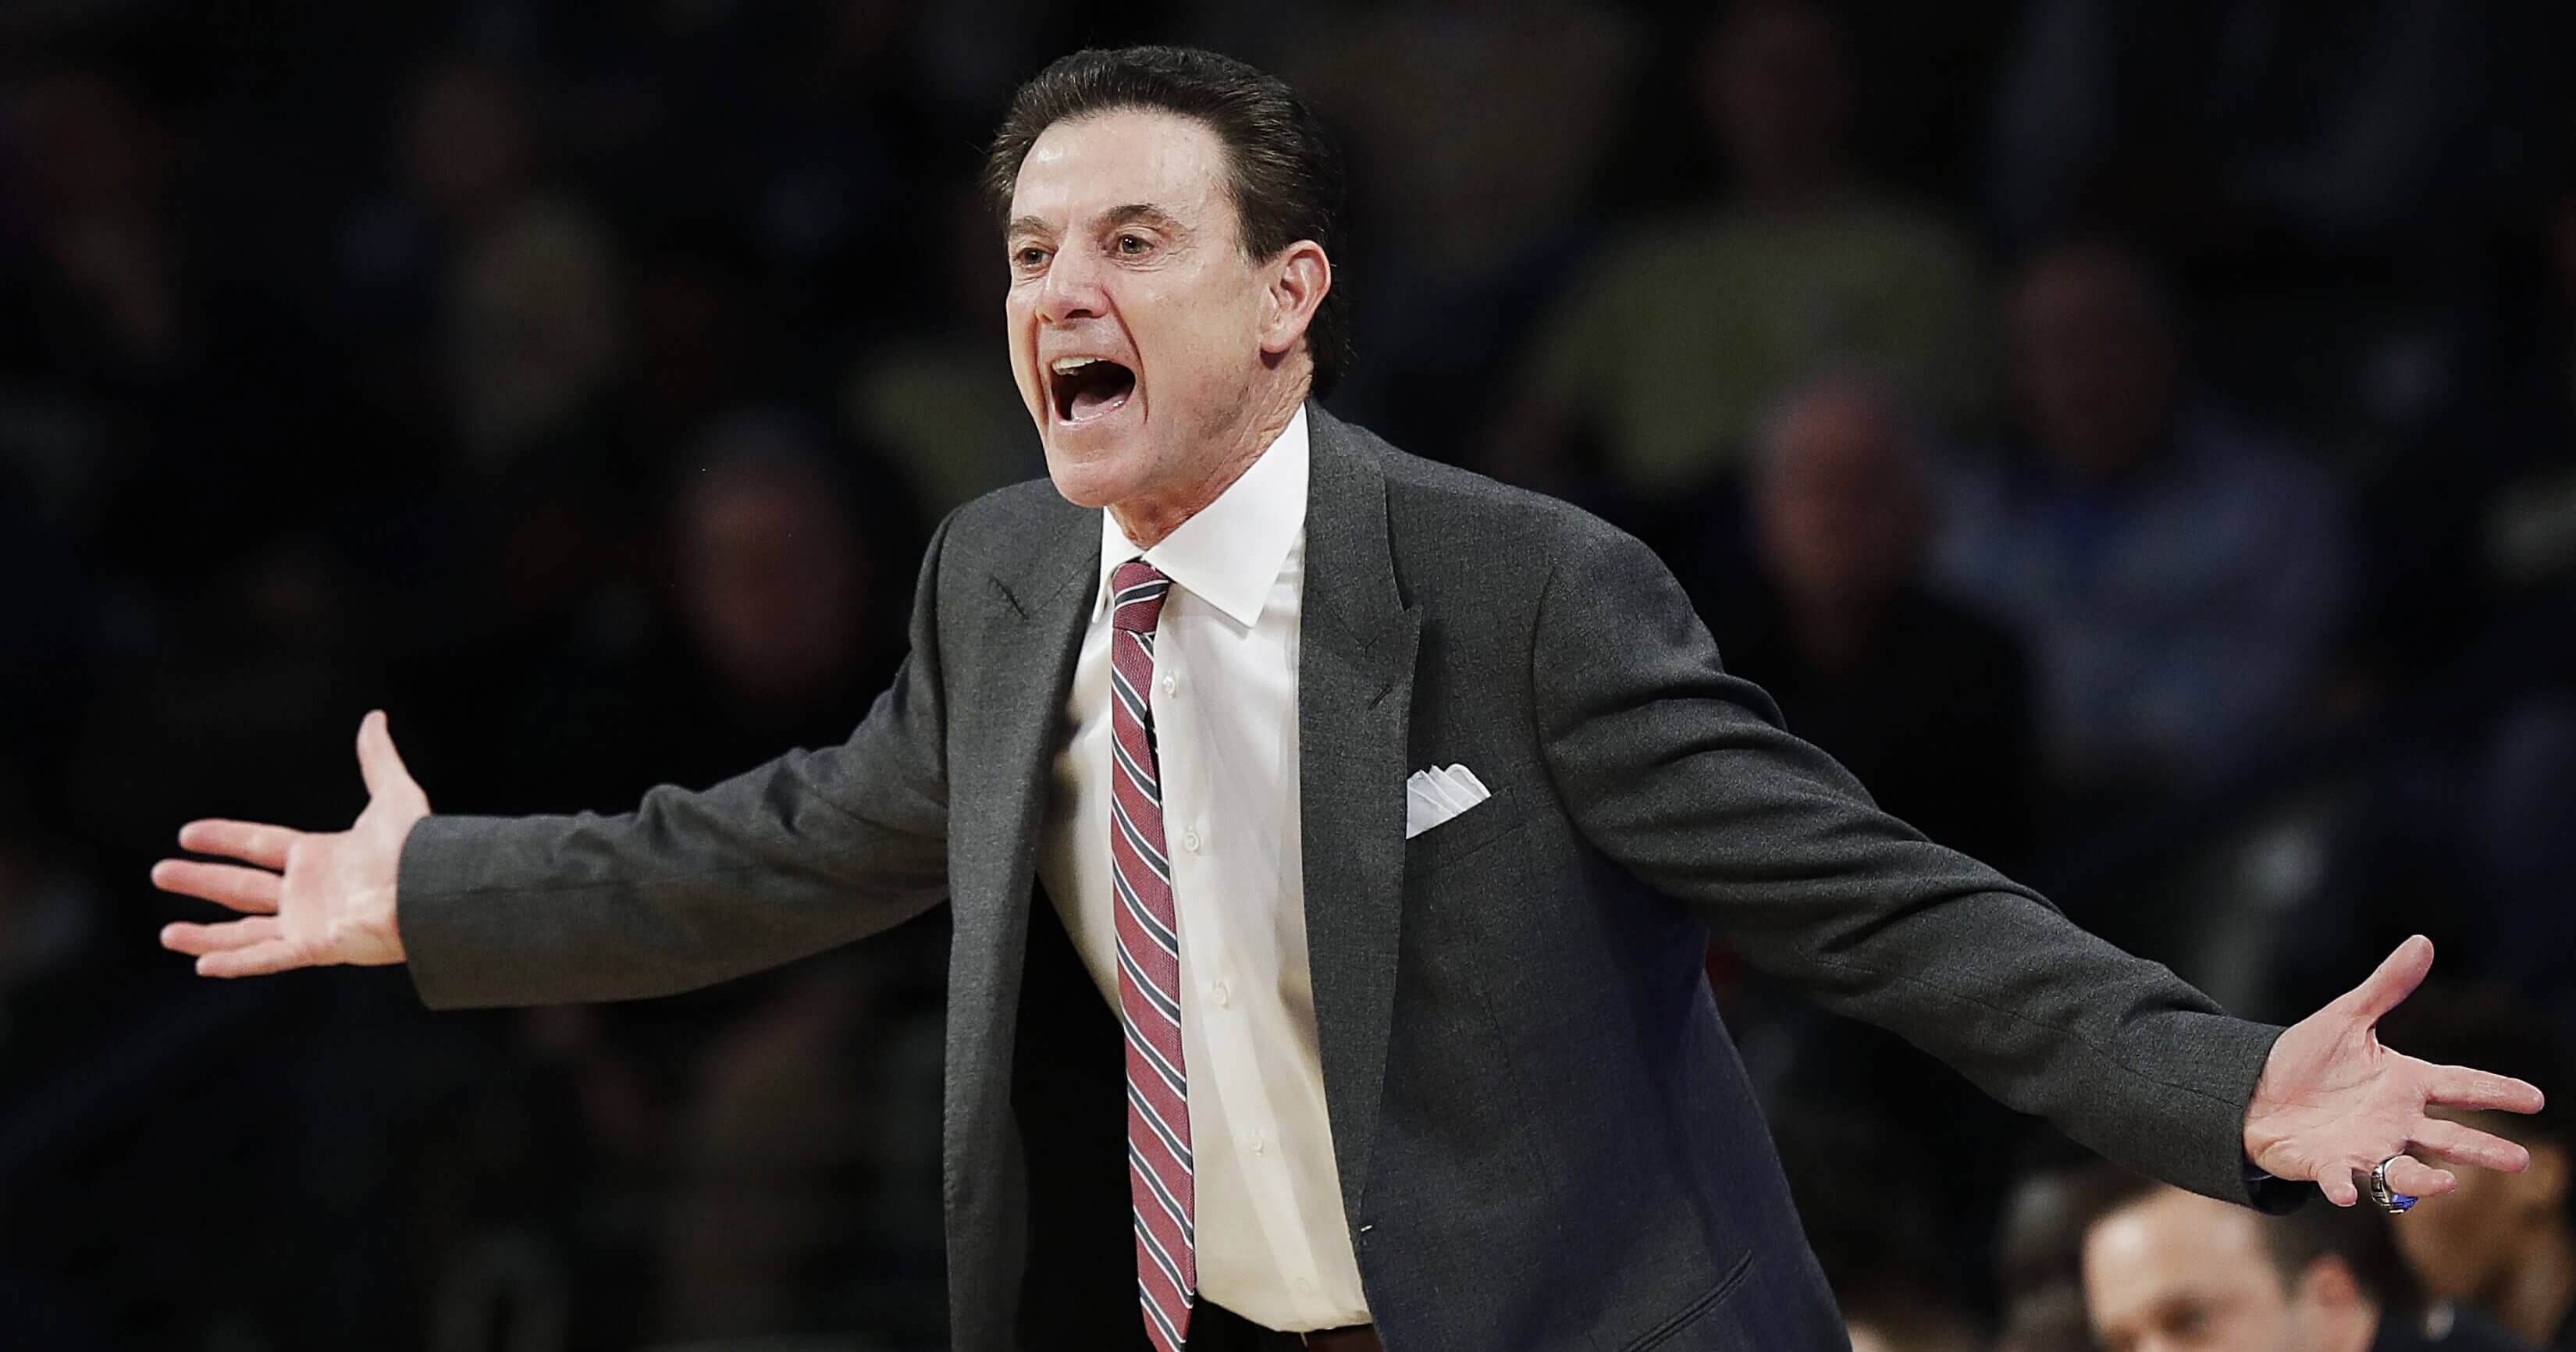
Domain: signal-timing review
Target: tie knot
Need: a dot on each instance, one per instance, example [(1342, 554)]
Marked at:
[(1136, 592)]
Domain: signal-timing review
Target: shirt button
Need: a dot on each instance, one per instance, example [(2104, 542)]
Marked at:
[(1222, 994), (1171, 683), (1257, 1144), (1190, 840)]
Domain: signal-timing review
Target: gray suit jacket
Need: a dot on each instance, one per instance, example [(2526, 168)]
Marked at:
[(1543, 1134)]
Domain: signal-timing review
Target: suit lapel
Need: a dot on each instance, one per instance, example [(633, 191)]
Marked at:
[(1011, 715), (1354, 705)]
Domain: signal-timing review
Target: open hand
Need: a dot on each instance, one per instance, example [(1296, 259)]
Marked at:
[(2332, 1103), (310, 899)]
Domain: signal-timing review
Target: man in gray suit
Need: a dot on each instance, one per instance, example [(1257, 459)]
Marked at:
[(1292, 795)]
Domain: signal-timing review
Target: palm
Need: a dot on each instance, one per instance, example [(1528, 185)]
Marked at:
[(2332, 1102), (309, 898)]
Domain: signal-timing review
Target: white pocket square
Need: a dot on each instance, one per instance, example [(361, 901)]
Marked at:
[(1436, 795)]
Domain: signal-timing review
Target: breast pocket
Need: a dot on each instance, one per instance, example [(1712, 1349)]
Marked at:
[(1467, 833)]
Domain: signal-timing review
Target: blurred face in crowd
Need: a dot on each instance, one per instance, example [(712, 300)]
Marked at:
[(2472, 1244), (1841, 506), (468, 143), (769, 576), (2178, 1272), (1773, 83), (90, 150), (1155, 356), (2096, 359)]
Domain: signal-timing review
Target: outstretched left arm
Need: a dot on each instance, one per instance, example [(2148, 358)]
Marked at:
[(1683, 775)]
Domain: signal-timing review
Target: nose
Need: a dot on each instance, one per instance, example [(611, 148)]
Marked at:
[(1071, 289)]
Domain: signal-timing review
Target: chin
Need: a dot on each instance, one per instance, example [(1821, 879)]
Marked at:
[(1093, 478)]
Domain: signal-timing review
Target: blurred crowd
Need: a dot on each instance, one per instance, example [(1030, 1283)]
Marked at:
[(2137, 436)]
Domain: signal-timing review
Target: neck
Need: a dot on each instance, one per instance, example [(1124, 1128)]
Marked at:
[(1148, 517), (2538, 1292)]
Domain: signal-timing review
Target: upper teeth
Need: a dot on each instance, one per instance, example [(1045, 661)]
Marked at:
[(1065, 366)]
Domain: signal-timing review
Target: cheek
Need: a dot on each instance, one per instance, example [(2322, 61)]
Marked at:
[(1190, 325)]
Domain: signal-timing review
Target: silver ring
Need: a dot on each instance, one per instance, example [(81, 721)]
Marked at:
[(2394, 1203)]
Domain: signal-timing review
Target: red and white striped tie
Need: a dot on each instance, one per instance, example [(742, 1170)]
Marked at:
[(1149, 969)]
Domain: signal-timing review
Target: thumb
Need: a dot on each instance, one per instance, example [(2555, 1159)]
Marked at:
[(2396, 979), (378, 763)]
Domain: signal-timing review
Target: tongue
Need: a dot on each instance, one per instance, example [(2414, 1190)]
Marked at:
[(1101, 393)]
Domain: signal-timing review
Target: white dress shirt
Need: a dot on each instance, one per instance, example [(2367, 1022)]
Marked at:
[(1272, 1242)]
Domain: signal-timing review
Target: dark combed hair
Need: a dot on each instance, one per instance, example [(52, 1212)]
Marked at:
[(1287, 179), (2357, 1235)]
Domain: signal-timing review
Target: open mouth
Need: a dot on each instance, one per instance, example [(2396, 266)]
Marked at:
[(1088, 387)]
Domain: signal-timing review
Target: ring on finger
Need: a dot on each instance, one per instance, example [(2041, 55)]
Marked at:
[(2384, 1197)]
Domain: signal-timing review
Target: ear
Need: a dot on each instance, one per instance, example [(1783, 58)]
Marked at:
[(1300, 277)]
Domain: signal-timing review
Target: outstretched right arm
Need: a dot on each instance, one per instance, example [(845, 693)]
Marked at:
[(810, 850)]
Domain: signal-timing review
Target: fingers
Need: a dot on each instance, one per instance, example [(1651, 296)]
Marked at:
[(199, 940), (2414, 1178), (259, 959), (2396, 979), (378, 763), (2465, 1144), (243, 889), (250, 842), (2407, 1176), (2462, 1087), (253, 947)]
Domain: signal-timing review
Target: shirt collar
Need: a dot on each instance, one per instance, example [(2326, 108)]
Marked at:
[(1230, 551)]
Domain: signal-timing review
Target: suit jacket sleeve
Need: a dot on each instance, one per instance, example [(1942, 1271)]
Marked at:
[(1684, 775), (692, 887)]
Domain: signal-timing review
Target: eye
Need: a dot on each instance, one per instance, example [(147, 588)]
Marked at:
[(1132, 245), (1028, 257)]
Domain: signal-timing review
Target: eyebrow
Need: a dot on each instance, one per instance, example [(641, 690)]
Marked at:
[(1133, 213), (1136, 213)]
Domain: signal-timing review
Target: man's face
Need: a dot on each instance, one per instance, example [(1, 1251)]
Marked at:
[(770, 577), (1135, 316), (1842, 517), (2177, 1272), (1773, 84), (2097, 366)]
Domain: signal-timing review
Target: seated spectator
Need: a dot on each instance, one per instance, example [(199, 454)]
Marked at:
[(2166, 1270), (2039, 1247), (1926, 702), (2503, 1243), (935, 394), (2178, 577), (787, 569), (1474, 205), (513, 270), (1666, 355)]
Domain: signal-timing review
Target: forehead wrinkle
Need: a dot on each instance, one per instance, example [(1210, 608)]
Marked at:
[(1163, 162)]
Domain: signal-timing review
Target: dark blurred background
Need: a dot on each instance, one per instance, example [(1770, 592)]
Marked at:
[(2139, 436)]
